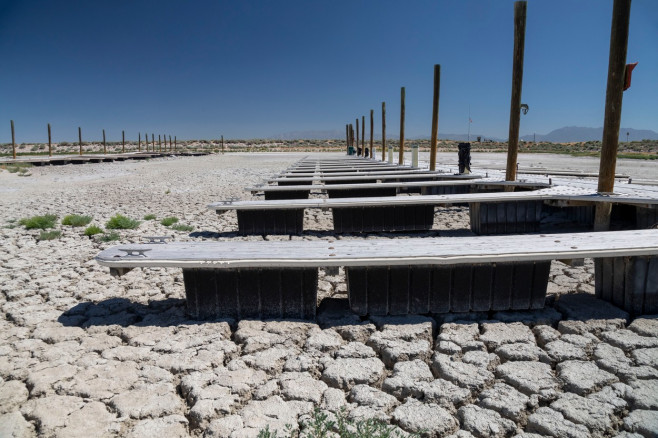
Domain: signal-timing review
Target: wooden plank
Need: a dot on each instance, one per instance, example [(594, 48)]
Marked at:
[(386, 252), (386, 176)]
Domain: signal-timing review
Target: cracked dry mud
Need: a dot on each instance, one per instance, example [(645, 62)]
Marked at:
[(86, 354)]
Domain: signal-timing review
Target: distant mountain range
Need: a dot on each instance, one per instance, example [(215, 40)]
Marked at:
[(576, 133), (566, 134)]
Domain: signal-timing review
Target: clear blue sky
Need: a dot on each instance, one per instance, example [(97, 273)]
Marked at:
[(253, 69)]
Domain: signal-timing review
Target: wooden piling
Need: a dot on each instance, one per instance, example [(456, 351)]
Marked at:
[(401, 151), (222, 144), (153, 142), (139, 142), (50, 143), (160, 143), (372, 149), (363, 136), (104, 144), (435, 115), (357, 137), (170, 147), (383, 131), (13, 141), (621, 11), (80, 138), (517, 80), (123, 142), (347, 138)]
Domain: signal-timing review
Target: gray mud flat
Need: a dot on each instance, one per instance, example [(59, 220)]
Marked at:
[(86, 354)]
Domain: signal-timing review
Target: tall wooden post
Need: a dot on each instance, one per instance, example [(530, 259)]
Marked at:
[(159, 143), (347, 138), (50, 143), (401, 152), (13, 141), (383, 131), (175, 143), (153, 142), (80, 138), (222, 144), (139, 142), (517, 80), (372, 148), (104, 144), (170, 148), (435, 116), (123, 142), (621, 11), (357, 137), (363, 136)]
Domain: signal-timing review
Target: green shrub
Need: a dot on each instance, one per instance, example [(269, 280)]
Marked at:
[(320, 426), (119, 222), (149, 217), (49, 235), (39, 222), (169, 221), (92, 230), (110, 237), (76, 220), (181, 227)]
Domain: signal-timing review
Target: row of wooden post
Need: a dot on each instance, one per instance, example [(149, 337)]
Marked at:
[(612, 119), (435, 126), (173, 146)]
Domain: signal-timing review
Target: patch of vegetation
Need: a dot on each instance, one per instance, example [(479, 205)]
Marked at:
[(93, 230), (22, 169), (39, 222), (110, 237), (149, 217), (119, 222), (167, 192), (320, 426), (181, 227), (49, 235), (76, 220), (168, 221)]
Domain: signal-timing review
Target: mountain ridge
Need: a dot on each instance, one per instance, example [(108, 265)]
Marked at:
[(566, 134)]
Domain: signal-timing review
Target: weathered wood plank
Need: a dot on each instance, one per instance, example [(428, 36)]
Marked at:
[(386, 252)]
